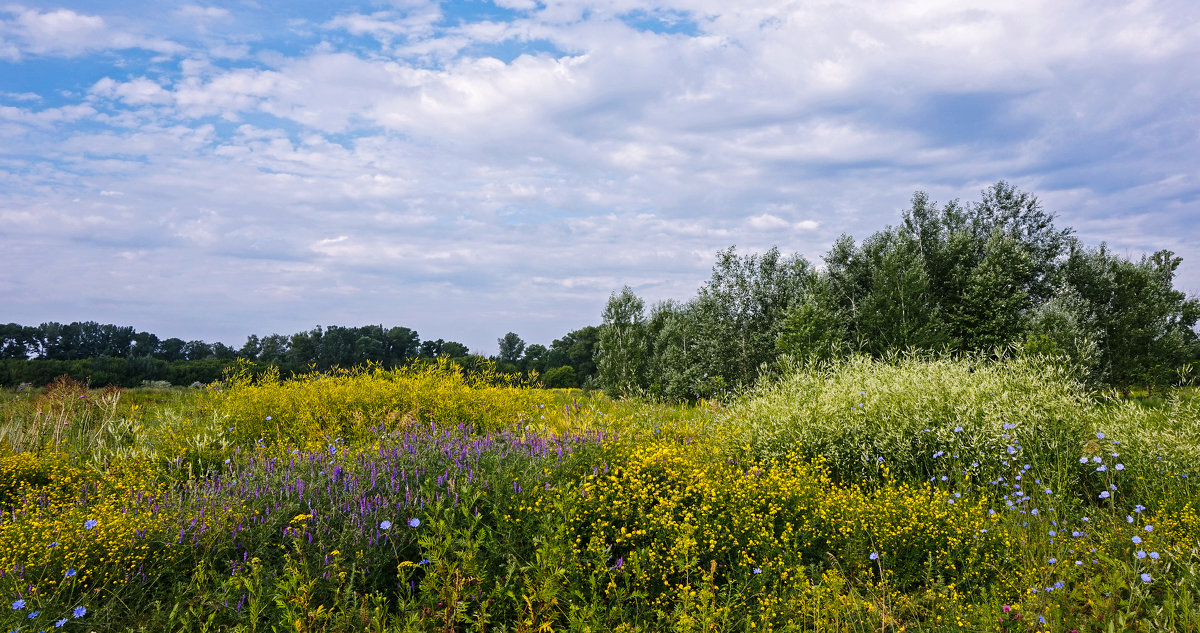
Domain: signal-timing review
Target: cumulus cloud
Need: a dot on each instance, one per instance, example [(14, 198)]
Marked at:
[(66, 33), (473, 173)]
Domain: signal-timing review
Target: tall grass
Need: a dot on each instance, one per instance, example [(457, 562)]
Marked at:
[(906, 494)]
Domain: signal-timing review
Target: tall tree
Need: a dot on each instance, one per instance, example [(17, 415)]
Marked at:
[(578, 350), (402, 345), (741, 310), (620, 362), (511, 348), (1147, 328)]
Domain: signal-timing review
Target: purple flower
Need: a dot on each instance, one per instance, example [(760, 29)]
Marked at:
[(874, 555), (1137, 539), (383, 525), (1145, 577), (1154, 555), (757, 570), (1140, 554), (414, 522)]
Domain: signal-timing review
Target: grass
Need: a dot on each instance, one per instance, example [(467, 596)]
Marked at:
[(920, 494)]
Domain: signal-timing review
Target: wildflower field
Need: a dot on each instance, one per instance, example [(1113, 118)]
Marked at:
[(919, 494)]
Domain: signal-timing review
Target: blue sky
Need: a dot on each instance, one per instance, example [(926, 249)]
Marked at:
[(471, 168)]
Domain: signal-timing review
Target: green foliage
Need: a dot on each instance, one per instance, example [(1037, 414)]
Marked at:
[(716, 343), (1144, 328), (561, 511), (620, 361), (904, 410)]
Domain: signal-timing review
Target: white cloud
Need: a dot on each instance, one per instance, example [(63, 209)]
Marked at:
[(65, 33), (204, 14), (465, 184)]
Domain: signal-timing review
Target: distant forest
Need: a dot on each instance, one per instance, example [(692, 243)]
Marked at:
[(104, 354), (994, 276)]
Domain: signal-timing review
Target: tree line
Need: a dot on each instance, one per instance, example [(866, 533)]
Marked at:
[(993, 275), (120, 355)]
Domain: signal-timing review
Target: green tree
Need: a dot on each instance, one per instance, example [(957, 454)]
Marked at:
[(741, 311), (1146, 326), (171, 349), (274, 349), (511, 348), (813, 328), (402, 344), (534, 359), (560, 378), (1064, 327), (620, 361), (578, 349), (885, 293), (251, 349)]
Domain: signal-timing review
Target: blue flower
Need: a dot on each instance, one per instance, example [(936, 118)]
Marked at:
[(1140, 554), (1120, 466), (1139, 507), (414, 522), (1145, 577), (1149, 528), (1154, 555), (874, 555), (79, 612), (89, 524), (383, 525), (18, 605), (34, 615), (58, 624), (1104, 495), (1137, 539), (1100, 436), (70, 572), (757, 570)]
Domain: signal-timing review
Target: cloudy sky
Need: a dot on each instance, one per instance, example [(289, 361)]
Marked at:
[(468, 168)]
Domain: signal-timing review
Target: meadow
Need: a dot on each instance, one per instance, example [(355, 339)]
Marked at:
[(903, 494)]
